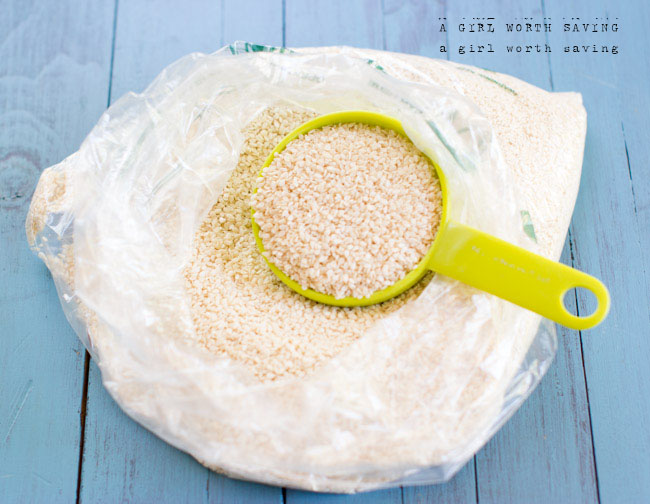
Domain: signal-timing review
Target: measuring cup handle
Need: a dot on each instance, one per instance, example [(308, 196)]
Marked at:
[(514, 274)]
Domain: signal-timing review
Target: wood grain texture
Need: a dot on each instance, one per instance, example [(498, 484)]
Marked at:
[(531, 67), (413, 27), (461, 489), (260, 23), (544, 453), (122, 460), (55, 63), (54, 60), (334, 22), (149, 35), (231, 491), (252, 21), (624, 462), (326, 22), (609, 242), (390, 496), (119, 455)]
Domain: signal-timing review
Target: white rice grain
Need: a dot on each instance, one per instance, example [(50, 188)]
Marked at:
[(348, 209), (239, 308)]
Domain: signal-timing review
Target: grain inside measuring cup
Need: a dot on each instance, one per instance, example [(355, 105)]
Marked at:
[(241, 311), (348, 209)]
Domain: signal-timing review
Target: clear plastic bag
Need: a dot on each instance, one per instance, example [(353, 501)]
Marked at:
[(409, 403)]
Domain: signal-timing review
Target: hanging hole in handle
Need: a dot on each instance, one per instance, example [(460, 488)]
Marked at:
[(587, 301)]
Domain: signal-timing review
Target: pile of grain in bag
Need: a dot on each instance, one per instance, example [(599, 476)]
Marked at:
[(239, 307), (241, 311)]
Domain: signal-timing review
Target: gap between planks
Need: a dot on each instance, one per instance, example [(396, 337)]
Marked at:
[(82, 418)]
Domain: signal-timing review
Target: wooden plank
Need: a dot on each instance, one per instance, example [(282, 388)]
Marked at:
[(610, 233), (390, 496), (326, 22), (123, 461), (54, 60), (253, 21), (150, 35), (621, 467), (531, 67), (222, 490), (460, 489), (413, 27), (544, 453), (334, 22), (259, 23)]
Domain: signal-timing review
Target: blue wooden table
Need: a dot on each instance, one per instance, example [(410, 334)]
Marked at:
[(584, 434)]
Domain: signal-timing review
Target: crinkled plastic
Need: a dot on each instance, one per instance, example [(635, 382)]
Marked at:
[(408, 403)]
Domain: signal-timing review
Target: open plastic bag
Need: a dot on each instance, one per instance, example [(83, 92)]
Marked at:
[(408, 403)]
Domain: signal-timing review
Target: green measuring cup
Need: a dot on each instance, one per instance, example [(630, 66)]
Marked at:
[(465, 254)]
